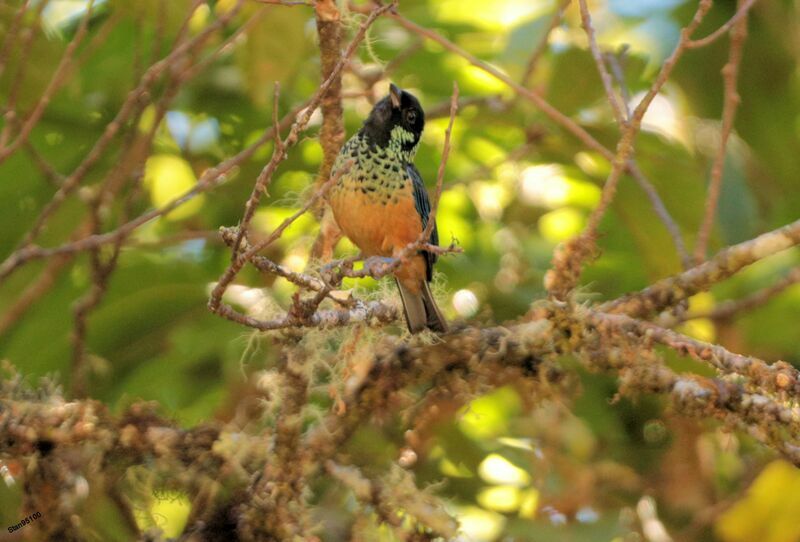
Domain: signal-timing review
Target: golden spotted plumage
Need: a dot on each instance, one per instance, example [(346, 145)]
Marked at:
[(373, 203)]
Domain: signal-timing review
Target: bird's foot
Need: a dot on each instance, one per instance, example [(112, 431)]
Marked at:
[(378, 266)]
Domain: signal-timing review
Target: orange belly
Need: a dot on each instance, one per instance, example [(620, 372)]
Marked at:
[(381, 229)]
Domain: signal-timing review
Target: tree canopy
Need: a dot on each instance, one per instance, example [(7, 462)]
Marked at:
[(190, 352)]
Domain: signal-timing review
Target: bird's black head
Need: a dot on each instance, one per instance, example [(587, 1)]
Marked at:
[(396, 122)]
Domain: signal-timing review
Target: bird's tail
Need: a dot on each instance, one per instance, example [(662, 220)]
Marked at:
[(421, 310)]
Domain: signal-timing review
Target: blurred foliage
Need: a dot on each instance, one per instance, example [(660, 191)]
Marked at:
[(600, 469)]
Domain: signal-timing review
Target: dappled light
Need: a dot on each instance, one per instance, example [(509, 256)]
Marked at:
[(248, 292)]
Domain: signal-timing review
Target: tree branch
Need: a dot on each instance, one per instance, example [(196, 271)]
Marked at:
[(670, 291)]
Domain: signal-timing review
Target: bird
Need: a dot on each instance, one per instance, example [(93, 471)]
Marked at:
[(380, 203)]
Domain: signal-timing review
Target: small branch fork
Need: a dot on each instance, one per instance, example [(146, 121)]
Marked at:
[(669, 292), (729, 309), (568, 262), (622, 114)]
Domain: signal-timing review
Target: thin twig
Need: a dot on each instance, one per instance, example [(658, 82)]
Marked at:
[(26, 41), (662, 212), (215, 300), (741, 12), (619, 75), (33, 292), (211, 178), (370, 77), (99, 39), (730, 75), (101, 272), (224, 47), (265, 265), (53, 177), (554, 114), (129, 106), (442, 164), (157, 43), (625, 145), (545, 107), (639, 176), (605, 77), (442, 109), (183, 30), (58, 78), (11, 34), (102, 268), (536, 55)]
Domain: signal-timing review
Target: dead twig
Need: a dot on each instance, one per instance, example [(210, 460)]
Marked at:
[(730, 75)]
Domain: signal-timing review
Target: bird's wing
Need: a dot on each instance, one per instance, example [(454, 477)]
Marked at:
[(423, 206)]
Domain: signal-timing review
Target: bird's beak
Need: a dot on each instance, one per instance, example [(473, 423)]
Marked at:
[(394, 94)]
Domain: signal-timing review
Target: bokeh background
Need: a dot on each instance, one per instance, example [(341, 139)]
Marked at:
[(589, 468)]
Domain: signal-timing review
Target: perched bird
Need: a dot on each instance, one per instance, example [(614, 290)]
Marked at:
[(381, 204)]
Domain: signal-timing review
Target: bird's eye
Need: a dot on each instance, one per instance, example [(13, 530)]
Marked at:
[(411, 116)]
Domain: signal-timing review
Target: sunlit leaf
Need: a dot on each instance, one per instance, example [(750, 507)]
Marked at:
[(168, 177), (768, 511)]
